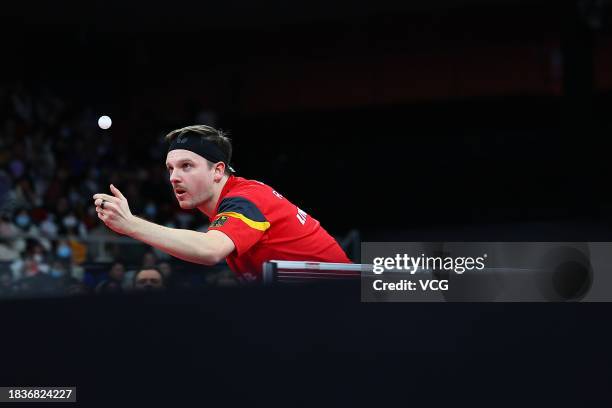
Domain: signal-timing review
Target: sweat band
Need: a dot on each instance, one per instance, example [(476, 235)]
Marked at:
[(195, 143)]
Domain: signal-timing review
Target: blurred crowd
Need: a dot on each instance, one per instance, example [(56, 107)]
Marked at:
[(53, 158)]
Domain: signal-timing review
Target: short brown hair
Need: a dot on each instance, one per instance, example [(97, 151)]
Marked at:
[(216, 136), (153, 268)]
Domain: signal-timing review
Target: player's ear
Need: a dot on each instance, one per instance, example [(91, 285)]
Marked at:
[(219, 171)]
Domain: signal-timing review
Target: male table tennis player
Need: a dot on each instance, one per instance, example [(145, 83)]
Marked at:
[(250, 222)]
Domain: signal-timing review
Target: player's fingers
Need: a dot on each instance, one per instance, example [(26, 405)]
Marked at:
[(106, 197), (116, 192), (103, 204), (108, 208)]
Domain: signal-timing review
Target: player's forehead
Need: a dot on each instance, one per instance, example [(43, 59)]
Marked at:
[(179, 155)]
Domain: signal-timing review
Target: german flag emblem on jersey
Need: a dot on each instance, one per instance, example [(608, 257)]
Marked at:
[(219, 221), (243, 210)]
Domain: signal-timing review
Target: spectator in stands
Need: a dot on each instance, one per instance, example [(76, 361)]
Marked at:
[(149, 260), (6, 283), (51, 161), (25, 228), (114, 281), (8, 231), (72, 226), (39, 255), (166, 270), (64, 280), (150, 279), (48, 227), (223, 278), (63, 250), (35, 282), (5, 184)]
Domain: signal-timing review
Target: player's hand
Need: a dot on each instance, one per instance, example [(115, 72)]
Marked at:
[(114, 211)]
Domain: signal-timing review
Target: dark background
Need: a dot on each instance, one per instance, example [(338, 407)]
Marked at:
[(388, 117), (432, 120)]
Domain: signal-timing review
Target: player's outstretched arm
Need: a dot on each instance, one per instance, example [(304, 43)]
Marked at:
[(203, 248)]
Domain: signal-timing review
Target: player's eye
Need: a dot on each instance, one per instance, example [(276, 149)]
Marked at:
[(187, 165)]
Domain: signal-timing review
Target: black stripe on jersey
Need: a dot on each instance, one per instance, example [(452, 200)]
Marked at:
[(242, 206)]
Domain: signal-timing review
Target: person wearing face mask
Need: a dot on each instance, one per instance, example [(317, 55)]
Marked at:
[(23, 220), (63, 251), (25, 229), (63, 280), (40, 257), (48, 226), (58, 270), (74, 229), (73, 226)]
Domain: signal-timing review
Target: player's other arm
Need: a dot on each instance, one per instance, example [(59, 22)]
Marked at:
[(206, 248)]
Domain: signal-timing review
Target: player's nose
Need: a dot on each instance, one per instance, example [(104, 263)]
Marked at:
[(174, 177)]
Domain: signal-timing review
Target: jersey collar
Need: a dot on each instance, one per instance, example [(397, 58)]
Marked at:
[(231, 181)]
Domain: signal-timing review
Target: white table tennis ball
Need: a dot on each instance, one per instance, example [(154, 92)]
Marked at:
[(104, 122)]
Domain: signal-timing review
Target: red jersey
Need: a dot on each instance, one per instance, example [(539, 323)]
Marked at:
[(266, 226)]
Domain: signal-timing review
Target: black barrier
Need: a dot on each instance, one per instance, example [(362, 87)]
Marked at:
[(295, 345)]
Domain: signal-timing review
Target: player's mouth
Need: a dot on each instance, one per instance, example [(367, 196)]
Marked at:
[(180, 193)]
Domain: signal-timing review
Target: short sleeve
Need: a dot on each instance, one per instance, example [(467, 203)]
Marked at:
[(241, 221)]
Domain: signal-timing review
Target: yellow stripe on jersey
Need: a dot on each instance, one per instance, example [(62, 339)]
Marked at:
[(258, 225)]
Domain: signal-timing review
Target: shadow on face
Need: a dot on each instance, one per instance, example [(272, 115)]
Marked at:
[(149, 280)]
